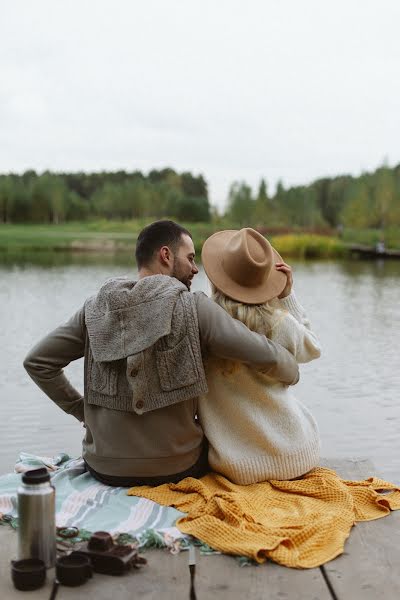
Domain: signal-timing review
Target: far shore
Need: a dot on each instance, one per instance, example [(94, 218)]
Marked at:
[(119, 238)]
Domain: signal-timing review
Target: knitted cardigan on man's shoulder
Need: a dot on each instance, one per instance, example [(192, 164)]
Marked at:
[(144, 346)]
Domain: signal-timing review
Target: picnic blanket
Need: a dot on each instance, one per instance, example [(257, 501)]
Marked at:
[(85, 503), (300, 523)]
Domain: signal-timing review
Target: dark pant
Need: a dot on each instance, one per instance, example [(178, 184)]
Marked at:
[(200, 468)]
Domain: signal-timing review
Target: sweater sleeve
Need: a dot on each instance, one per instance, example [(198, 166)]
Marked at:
[(228, 338), (46, 361), (293, 330)]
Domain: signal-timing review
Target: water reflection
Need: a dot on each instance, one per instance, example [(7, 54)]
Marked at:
[(378, 268), (44, 258)]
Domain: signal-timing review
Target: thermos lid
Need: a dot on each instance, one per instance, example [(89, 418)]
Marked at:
[(28, 574), (73, 570), (36, 476)]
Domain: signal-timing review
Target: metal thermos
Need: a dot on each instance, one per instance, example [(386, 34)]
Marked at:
[(36, 517)]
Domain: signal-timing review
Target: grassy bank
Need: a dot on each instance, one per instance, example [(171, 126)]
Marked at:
[(95, 236), (119, 237)]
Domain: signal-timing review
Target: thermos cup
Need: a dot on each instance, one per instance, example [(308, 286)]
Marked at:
[(36, 516)]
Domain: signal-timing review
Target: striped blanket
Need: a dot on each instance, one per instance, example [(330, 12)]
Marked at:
[(85, 503)]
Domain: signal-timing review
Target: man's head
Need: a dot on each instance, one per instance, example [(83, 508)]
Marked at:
[(167, 248)]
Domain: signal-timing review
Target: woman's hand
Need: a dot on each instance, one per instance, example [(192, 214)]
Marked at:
[(287, 269)]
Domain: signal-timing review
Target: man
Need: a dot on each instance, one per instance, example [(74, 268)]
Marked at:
[(143, 342)]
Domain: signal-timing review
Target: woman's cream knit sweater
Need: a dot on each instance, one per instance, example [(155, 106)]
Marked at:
[(256, 428)]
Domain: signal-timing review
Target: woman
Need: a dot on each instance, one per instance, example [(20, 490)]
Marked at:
[(255, 427)]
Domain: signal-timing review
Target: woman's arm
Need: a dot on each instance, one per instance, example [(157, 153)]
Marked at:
[(293, 330)]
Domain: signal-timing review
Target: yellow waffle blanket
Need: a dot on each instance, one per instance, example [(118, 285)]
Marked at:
[(301, 523)]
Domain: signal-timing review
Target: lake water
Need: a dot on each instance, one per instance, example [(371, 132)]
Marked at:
[(353, 390)]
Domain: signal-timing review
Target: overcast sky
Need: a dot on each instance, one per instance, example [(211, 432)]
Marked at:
[(281, 89)]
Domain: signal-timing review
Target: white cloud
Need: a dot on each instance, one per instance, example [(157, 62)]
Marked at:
[(230, 89)]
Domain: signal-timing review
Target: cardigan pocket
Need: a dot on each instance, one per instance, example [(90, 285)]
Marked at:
[(176, 366), (102, 376)]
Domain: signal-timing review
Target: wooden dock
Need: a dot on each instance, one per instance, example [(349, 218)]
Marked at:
[(368, 570), (370, 252)]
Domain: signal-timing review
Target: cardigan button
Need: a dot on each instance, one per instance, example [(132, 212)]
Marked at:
[(140, 404), (134, 372)]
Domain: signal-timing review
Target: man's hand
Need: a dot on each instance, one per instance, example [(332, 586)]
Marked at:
[(287, 269)]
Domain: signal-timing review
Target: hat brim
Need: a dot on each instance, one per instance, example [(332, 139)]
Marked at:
[(212, 261)]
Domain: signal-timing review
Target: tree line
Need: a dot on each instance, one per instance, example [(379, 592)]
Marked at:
[(60, 197), (371, 200)]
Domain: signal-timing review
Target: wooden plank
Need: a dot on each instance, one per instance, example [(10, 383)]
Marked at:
[(370, 567), (220, 577), (167, 576)]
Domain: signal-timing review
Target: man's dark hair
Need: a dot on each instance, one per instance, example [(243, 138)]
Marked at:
[(154, 236)]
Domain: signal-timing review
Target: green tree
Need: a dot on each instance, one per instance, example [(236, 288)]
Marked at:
[(193, 209), (263, 208), (358, 212), (20, 202), (40, 205), (331, 197), (6, 198), (77, 208), (385, 196), (194, 186), (240, 204), (58, 195)]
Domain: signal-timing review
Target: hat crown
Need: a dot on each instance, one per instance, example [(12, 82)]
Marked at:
[(241, 265), (248, 258)]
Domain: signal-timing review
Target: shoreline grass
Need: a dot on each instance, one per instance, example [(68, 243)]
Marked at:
[(308, 246), (119, 237)]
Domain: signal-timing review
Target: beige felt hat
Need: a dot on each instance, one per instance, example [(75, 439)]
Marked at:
[(241, 264)]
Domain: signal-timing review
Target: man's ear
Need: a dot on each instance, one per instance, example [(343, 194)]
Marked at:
[(165, 255)]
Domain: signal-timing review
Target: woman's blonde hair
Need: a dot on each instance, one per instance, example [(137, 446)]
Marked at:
[(257, 317)]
